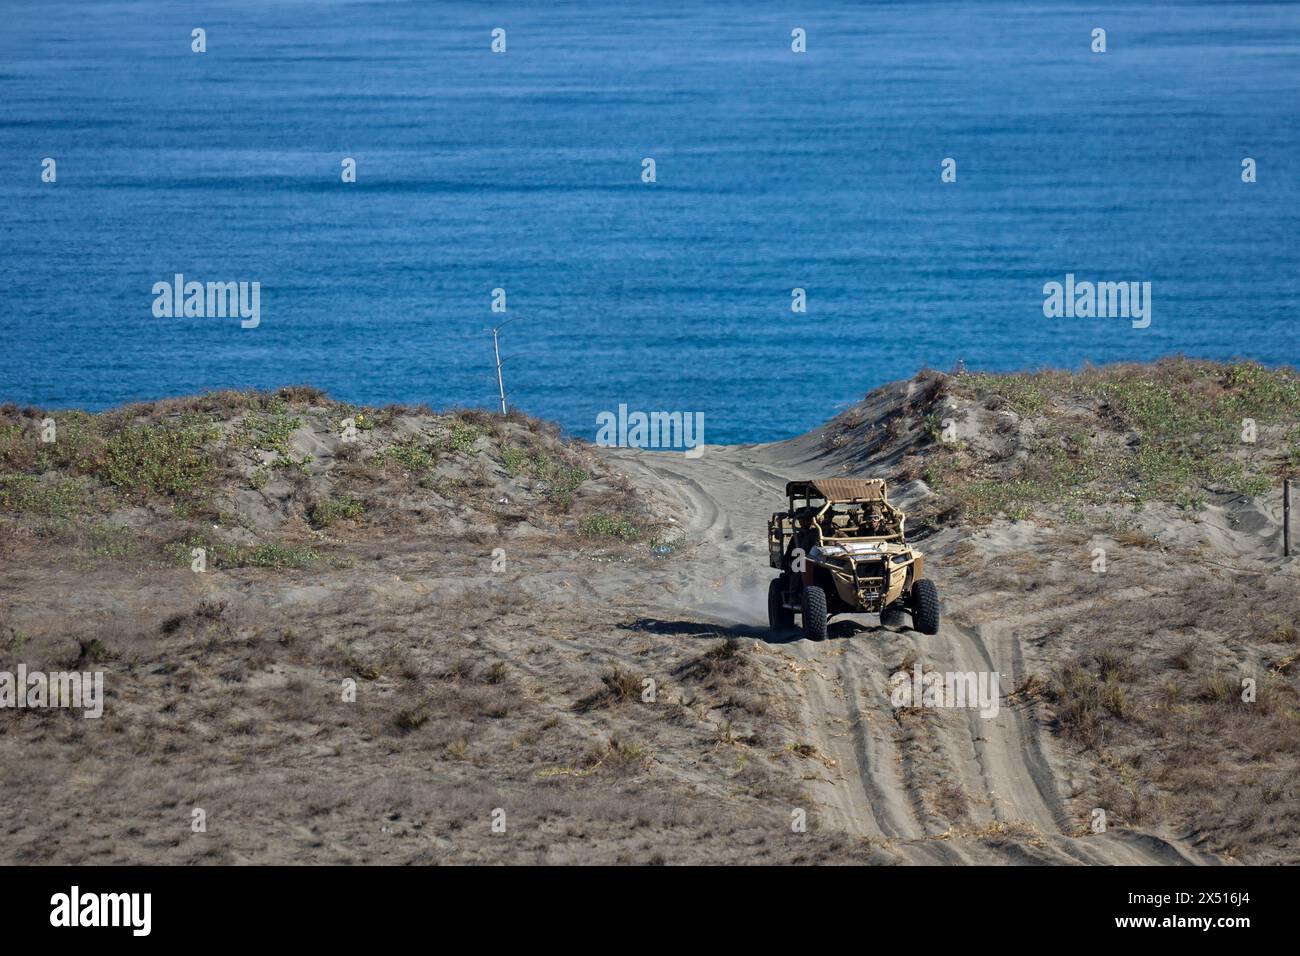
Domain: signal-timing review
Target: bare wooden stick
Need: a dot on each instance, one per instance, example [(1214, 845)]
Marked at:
[(501, 388), (496, 351)]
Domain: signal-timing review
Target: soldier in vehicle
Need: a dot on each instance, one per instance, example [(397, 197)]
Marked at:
[(866, 520)]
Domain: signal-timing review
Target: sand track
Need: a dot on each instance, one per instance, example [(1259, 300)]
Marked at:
[(876, 774)]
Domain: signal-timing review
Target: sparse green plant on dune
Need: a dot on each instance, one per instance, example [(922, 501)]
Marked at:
[(27, 493), (602, 525), (269, 432), (162, 458), (462, 437), (1127, 434), (325, 513), (172, 458), (273, 555), (412, 453), (561, 479)]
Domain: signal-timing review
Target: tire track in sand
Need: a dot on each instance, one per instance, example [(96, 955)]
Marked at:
[(840, 704)]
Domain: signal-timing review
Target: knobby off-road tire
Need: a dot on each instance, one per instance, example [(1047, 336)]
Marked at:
[(779, 617), (925, 606), (814, 613)]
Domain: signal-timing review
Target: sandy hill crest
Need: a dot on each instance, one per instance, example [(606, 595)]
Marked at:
[(500, 597)]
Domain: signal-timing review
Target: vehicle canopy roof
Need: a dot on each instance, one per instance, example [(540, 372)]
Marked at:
[(838, 489)]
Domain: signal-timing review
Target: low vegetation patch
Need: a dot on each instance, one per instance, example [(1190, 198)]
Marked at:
[(413, 453), (560, 478), (726, 659), (1192, 717), (275, 555), (172, 458), (344, 507), (602, 525), (1171, 432), (618, 686)]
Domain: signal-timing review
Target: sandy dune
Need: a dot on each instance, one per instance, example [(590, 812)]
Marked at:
[(521, 687), (1005, 770)]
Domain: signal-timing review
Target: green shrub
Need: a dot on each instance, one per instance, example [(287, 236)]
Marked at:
[(332, 509), (167, 458), (463, 436), (413, 453), (601, 525)]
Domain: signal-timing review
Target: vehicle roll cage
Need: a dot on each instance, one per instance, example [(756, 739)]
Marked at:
[(811, 500)]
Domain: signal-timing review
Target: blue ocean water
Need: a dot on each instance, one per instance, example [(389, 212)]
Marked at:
[(522, 171)]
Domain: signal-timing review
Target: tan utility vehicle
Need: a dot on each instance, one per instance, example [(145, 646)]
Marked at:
[(841, 550)]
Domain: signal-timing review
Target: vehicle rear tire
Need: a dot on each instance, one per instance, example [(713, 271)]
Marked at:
[(925, 606), (779, 617), (891, 616), (814, 613)]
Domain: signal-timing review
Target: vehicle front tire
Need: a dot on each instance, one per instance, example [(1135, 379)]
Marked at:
[(779, 617), (925, 606), (814, 613)]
